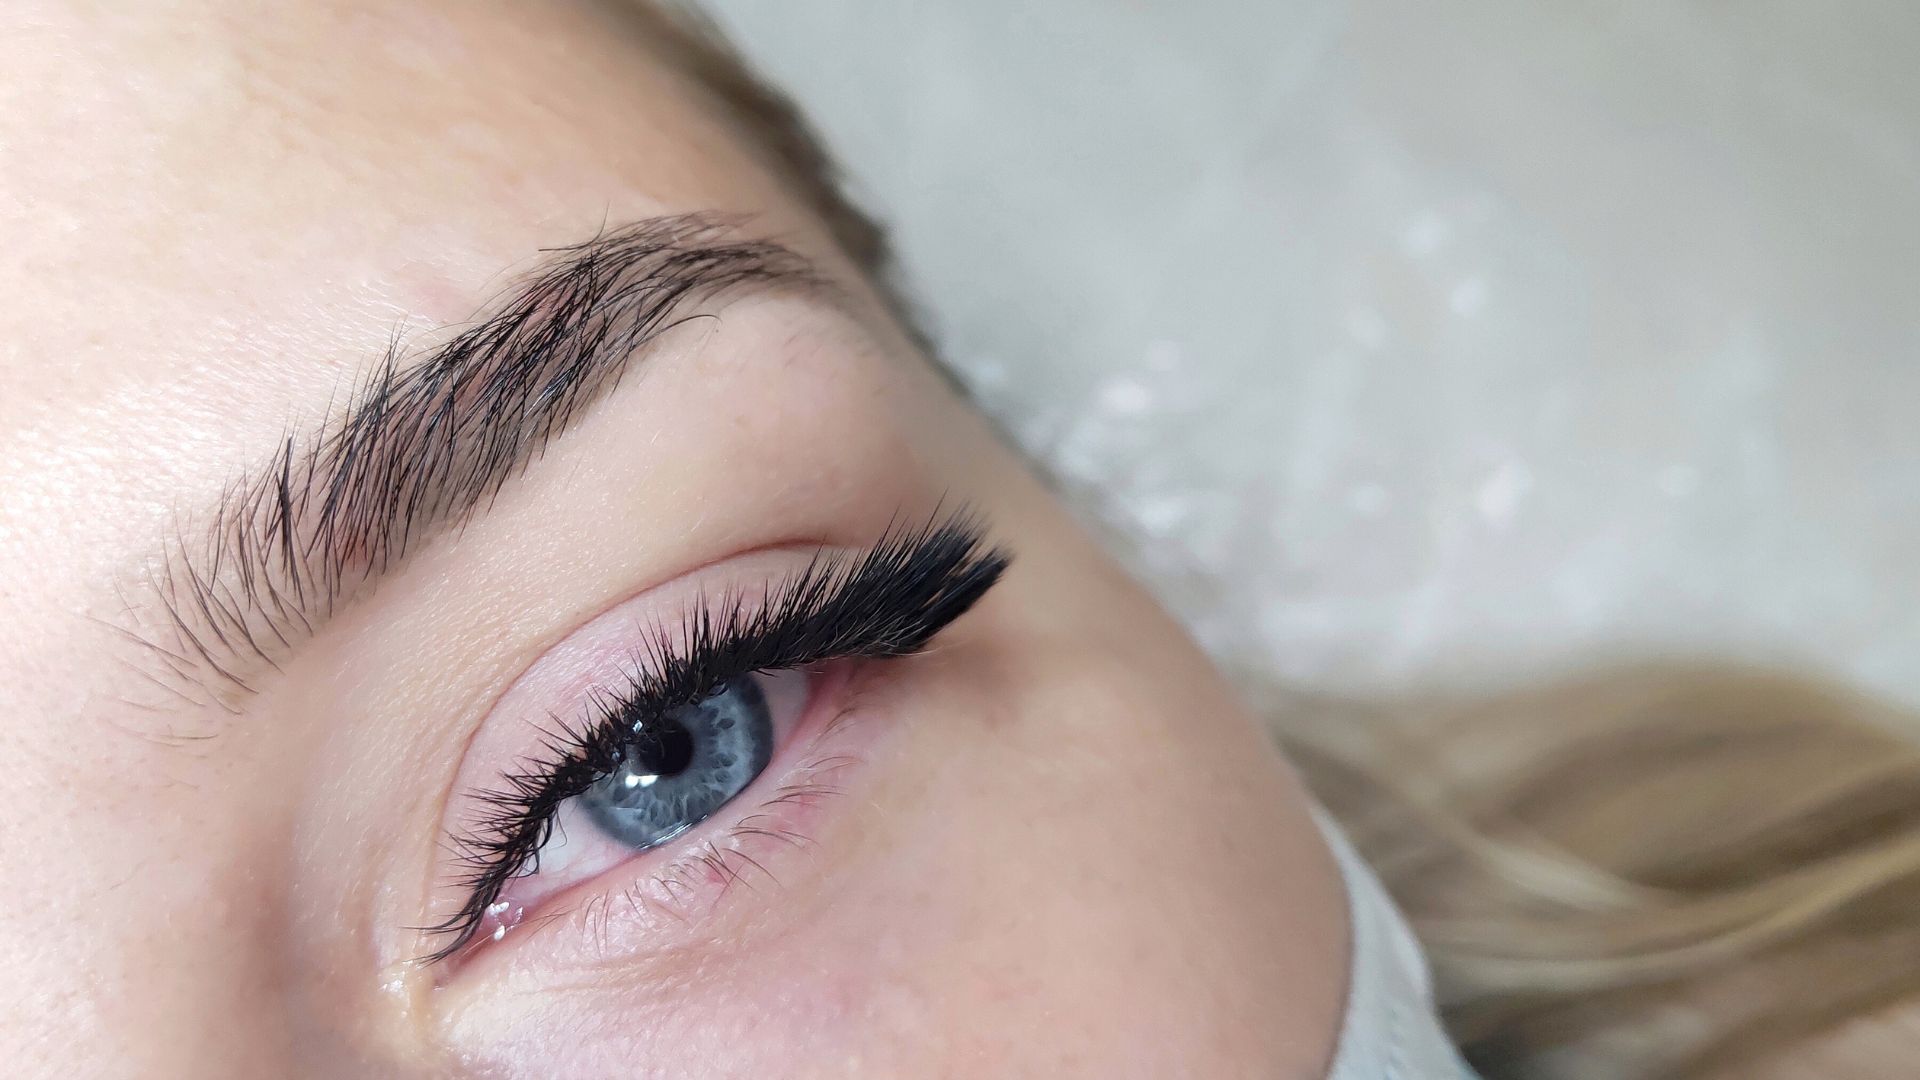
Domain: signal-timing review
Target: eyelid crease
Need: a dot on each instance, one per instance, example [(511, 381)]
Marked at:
[(887, 601)]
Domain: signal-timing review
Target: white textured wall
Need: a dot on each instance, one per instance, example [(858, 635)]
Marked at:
[(1430, 344)]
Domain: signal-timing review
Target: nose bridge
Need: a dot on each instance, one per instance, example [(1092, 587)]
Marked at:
[(171, 998), (202, 987), (148, 932)]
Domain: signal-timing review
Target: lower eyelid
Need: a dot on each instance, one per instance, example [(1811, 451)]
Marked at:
[(689, 889)]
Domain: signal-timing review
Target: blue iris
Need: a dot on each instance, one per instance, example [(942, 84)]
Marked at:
[(680, 768)]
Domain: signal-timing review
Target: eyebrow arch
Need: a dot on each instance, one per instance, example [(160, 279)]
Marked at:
[(426, 441)]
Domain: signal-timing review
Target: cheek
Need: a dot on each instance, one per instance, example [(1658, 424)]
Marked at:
[(1091, 879), (1110, 869)]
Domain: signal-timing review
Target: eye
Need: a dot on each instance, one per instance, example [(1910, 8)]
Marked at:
[(630, 740), (677, 769), (670, 772)]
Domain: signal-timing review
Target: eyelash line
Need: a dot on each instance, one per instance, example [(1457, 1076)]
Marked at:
[(885, 602)]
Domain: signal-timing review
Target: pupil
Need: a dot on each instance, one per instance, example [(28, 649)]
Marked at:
[(662, 750)]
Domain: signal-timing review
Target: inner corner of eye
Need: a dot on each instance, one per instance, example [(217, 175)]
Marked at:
[(673, 771)]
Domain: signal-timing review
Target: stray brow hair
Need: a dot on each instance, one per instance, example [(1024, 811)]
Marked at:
[(426, 441)]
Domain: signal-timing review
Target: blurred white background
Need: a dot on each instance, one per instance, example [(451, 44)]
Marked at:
[(1429, 346)]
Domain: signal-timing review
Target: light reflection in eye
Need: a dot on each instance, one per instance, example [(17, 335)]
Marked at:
[(502, 916)]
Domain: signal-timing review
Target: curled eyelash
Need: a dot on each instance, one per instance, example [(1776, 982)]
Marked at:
[(888, 601)]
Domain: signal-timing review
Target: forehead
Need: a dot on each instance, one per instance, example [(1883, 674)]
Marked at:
[(274, 212), (199, 262)]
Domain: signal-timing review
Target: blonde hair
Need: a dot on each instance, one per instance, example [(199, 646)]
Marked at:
[(1657, 872), (1662, 871)]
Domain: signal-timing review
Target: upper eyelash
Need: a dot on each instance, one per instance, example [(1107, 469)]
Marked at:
[(887, 601)]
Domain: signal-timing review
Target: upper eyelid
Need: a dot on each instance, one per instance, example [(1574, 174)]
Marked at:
[(425, 444)]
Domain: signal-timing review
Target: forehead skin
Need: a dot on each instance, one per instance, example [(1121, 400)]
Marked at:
[(205, 229)]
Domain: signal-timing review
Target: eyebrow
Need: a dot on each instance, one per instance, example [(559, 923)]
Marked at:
[(429, 439)]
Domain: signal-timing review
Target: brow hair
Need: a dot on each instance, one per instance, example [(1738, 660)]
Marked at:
[(426, 441)]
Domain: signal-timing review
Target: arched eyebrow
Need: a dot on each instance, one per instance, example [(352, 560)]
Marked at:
[(427, 441)]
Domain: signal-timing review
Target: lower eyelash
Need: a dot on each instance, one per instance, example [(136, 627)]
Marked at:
[(706, 876)]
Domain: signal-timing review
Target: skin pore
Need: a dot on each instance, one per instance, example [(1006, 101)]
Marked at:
[(1051, 844)]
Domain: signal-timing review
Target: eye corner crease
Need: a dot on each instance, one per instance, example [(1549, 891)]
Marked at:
[(427, 441)]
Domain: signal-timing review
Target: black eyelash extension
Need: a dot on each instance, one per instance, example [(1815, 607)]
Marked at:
[(888, 601)]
